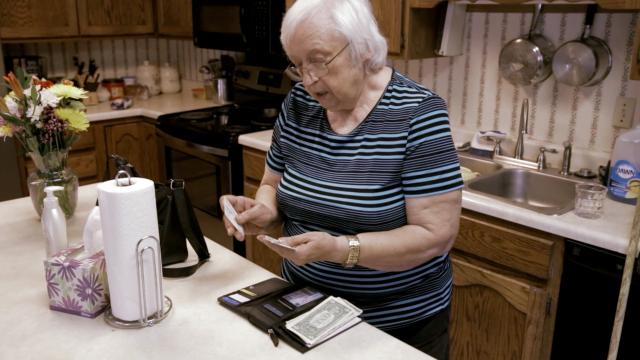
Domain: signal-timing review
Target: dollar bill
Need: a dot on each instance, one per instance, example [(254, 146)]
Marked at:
[(324, 320)]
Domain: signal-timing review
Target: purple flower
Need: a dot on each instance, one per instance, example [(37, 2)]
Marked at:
[(71, 304), (89, 289), (52, 287), (66, 268)]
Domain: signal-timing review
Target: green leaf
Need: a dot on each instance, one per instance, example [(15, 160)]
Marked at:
[(23, 78), (12, 119)]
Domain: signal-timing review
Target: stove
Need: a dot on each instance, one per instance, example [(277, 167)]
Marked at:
[(201, 147)]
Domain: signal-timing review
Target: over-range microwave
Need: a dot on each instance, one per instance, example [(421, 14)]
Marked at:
[(250, 26)]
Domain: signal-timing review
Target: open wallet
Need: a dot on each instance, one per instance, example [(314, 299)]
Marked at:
[(270, 304)]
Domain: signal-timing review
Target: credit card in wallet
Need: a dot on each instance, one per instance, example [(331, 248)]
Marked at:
[(231, 214), (278, 243)]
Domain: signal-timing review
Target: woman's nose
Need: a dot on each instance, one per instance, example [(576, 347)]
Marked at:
[(308, 78)]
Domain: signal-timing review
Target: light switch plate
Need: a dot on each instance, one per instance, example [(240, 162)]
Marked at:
[(623, 113)]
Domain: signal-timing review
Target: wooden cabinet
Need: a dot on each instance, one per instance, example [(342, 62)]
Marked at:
[(24, 19), (115, 17), (506, 284), (174, 18), (135, 140), (253, 169), (21, 19)]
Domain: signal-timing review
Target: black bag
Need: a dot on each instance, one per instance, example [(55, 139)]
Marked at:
[(176, 221)]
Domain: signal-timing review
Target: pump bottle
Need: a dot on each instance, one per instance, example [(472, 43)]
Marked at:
[(54, 224)]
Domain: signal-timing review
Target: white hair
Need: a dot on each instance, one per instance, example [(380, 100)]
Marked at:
[(352, 19)]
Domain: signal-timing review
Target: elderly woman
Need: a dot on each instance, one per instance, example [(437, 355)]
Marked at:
[(362, 175)]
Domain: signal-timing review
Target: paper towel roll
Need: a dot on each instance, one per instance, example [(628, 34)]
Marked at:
[(128, 213)]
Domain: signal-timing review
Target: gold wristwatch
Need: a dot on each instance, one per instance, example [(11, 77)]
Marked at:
[(354, 251)]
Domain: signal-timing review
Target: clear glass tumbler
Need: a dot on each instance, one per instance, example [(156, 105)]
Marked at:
[(590, 200)]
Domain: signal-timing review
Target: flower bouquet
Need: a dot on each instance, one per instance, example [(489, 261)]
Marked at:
[(46, 119)]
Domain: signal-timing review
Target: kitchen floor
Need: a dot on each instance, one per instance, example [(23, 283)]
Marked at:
[(213, 228)]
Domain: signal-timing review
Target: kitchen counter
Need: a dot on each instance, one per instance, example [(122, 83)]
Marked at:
[(152, 108), (196, 328), (612, 231)]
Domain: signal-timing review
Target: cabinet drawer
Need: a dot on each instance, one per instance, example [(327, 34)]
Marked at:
[(250, 189), (253, 165), (517, 247), (86, 140)]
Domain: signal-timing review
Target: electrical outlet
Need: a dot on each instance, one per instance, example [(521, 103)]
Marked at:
[(623, 113)]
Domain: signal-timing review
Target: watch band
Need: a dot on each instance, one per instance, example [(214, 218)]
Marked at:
[(354, 251)]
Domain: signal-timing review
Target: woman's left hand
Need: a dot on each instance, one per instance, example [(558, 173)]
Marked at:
[(309, 247)]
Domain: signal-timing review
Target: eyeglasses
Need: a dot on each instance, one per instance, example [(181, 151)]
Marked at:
[(314, 69)]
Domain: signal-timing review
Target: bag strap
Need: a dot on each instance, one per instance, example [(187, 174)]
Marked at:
[(191, 229)]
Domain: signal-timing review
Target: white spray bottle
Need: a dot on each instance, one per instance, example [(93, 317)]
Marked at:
[(92, 233), (54, 224)]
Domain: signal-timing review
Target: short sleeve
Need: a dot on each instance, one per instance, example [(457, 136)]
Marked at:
[(275, 159), (431, 164)]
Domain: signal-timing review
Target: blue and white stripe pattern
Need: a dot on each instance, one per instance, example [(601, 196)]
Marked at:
[(358, 182)]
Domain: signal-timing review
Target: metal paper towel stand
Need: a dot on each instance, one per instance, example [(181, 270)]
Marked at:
[(164, 307)]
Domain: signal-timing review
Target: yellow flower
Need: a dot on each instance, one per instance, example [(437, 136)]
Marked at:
[(68, 91), (6, 130), (77, 120)]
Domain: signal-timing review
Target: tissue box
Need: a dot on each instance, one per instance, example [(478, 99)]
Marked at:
[(77, 284)]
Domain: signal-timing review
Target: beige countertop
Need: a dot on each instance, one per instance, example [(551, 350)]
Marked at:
[(152, 108), (612, 231), (196, 328)]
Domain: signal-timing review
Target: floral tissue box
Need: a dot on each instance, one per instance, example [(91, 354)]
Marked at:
[(77, 284)]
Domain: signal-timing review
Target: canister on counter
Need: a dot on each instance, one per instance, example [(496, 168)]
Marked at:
[(115, 87)]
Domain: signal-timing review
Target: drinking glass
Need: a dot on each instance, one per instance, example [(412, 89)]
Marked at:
[(589, 200)]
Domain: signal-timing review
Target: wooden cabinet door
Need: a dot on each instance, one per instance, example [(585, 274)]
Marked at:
[(494, 316), (388, 13), (174, 18), (253, 169), (20, 19), (136, 142), (115, 17)]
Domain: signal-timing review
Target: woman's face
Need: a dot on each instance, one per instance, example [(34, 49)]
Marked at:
[(340, 88)]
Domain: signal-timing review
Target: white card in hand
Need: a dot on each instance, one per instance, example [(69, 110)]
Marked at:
[(278, 243), (231, 214)]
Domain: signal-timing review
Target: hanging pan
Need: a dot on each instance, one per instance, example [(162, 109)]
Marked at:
[(527, 59), (585, 61)]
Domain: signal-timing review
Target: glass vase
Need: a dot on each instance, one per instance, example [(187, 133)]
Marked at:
[(52, 170)]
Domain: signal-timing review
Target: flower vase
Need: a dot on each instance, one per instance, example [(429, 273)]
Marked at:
[(52, 170)]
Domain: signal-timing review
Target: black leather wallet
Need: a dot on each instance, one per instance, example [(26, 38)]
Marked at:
[(270, 303)]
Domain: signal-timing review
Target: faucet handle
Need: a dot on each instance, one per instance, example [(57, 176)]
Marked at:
[(542, 159), (566, 144)]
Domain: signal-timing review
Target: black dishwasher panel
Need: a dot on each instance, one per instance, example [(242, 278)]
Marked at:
[(587, 304)]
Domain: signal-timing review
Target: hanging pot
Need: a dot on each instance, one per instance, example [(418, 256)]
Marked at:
[(585, 61), (527, 60)]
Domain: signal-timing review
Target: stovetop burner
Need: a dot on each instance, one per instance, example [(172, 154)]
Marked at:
[(195, 116)]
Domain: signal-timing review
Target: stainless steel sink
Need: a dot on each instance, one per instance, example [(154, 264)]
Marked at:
[(529, 189), (478, 165)]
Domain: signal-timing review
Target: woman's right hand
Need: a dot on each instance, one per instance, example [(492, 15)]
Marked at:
[(255, 217)]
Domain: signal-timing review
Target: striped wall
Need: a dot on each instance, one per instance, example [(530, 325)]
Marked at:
[(118, 57), (479, 99)]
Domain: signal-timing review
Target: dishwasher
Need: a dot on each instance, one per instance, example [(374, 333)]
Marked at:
[(587, 304)]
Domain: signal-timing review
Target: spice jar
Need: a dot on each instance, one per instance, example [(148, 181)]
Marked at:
[(115, 87)]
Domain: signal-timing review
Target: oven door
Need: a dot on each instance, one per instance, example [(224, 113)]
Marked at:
[(205, 170), (208, 173)]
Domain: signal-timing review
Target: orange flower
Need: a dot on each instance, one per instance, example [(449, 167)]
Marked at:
[(45, 84), (13, 82)]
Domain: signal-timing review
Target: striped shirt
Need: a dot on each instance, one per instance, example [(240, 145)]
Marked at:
[(358, 182)]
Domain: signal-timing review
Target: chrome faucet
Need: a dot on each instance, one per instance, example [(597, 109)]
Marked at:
[(542, 159), (566, 159), (522, 130)]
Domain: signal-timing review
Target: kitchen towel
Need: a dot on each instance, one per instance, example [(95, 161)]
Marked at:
[(128, 214)]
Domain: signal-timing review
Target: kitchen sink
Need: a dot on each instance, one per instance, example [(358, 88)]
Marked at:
[(478, 165), (530, 189)]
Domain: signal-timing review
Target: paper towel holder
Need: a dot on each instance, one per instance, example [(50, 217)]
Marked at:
[(164, 307), (118, 177)]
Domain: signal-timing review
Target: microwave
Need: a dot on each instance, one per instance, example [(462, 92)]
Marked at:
[(249, 26)]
